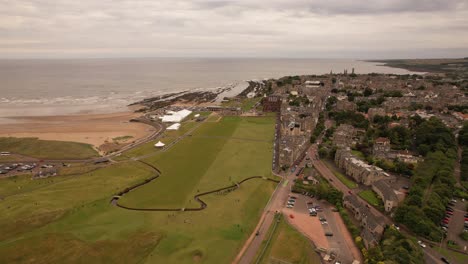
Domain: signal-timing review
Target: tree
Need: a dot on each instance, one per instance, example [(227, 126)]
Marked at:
[(367, 92)]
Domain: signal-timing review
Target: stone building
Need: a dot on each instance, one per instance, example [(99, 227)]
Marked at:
[(345, 105), (386, 193), (372, 112), (357, 169), (344, 136), (381, 147), (271, 103), (372, 225)]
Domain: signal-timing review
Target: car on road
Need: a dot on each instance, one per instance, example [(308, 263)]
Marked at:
[(444, 260), (421, 244), (322, 219), (328, 234)]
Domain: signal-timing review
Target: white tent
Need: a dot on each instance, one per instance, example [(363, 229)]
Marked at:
[(174, 126), (175, 117), (159, 144)]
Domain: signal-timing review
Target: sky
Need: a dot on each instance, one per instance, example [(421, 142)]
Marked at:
[(359, 29)]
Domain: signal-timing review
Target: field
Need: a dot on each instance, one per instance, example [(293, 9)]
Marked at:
[(370, 197), (47, 149), (69, 219), (287, 246), (345, 180)]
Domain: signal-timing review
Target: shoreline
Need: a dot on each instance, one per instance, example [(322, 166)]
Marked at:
[(98, 130)]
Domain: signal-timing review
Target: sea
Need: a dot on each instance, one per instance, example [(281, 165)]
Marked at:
[(39, 87)]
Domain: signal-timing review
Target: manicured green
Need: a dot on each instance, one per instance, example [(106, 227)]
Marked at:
[(345, 180), (71, 220), (47, 149), (287, 245), (370, 197)]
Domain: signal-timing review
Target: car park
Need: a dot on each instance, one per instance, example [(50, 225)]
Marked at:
[(449, 213)]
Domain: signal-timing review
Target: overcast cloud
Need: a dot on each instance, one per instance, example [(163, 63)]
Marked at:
[(254, 28)]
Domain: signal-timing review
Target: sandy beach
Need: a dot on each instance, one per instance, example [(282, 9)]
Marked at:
[(95, 129)]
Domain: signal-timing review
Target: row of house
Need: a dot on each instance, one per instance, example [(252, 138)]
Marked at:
[(357, 169), (382, 150), (372, 225)]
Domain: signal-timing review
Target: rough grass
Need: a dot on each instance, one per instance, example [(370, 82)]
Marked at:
[(47, 149), (370, 197), (452, 255), (288, 245), (71, 221), (167, 137)]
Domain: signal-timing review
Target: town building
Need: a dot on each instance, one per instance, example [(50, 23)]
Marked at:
[(386, 193), (381, 147), (372, 112), (344, 136), (271, 103), (372, 225), (357, 169)]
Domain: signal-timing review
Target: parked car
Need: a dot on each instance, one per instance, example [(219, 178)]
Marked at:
[(444, 260)]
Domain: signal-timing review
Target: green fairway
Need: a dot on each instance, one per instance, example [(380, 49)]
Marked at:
[(69, 219), (370, 197), (287, 246), (345, 180), (47, 149)]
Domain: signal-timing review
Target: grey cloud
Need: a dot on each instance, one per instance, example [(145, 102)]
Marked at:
[(244, 27)]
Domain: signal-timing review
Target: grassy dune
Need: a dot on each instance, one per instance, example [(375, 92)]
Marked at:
[(70, 219), (47, 149)]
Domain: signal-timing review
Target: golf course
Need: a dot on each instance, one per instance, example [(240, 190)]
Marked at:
[(70, 219)]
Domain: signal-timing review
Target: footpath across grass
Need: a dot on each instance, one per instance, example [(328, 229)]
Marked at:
[(286, 245), (345, 180), (47, 149)]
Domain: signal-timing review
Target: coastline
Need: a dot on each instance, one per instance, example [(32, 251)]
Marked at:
[(94, 129)]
